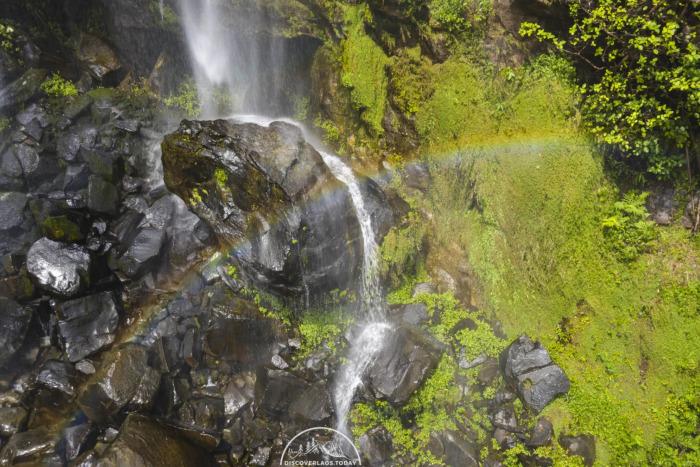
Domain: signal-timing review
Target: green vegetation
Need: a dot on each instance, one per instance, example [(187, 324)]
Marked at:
[(58, 87), (645, 95), (439, 404), (165, 16), (7, 38), (364, 70), (532, 221), (186, 99), (321, 328), (627, 230)]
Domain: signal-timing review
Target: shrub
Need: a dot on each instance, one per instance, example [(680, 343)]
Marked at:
[(186, 99), (58, 87), (627, 230)]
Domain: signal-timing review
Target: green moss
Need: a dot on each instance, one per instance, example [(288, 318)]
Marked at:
[(364, 70), (319, 327), (62, 229), (401, 252), (221, 177), (471, 104), (186, 99)]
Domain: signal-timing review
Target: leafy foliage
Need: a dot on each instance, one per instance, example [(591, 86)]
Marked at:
[(644, 97), (58, 87), (627, 230), (186, 99)]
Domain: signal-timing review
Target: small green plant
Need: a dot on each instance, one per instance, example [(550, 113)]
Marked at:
[(300, 104), (4, 124), (627, 230), (58, 87), (186, 99), (7, 39)]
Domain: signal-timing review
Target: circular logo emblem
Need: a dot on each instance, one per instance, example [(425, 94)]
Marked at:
[(320, 446)]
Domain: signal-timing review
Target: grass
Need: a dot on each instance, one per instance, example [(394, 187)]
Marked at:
[(626, 333)]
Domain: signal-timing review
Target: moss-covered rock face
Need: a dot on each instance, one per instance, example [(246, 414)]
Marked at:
[(271, 199)]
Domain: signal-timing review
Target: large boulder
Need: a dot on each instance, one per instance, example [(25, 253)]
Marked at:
[(404, 363), (269, 197), (149, 443), (60, 268), (87, 324), (528, 369)]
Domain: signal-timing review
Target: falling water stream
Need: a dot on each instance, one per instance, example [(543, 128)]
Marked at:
[(368, 342), (222, 58)]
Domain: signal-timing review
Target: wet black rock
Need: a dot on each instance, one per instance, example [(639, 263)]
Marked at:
[(416, 176), (12, 209), (59, 268), (505, 418), (269, 195), (143, 252), (237, 331), (205, 413), (376, 446), (414, 314), (59, 376), (539, 387), (540, 434), (28, 446), (149, 443), (235, 399), (276, 390), (528, 368), (454, 448), (125, 380), (76, 439), (14, 322), (87, 324), (22, 89), (70, 143), (313, 407), (581, 445), (405, 362), (103, 197), (12, 420)]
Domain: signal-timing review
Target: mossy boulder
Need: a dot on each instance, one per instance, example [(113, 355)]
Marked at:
[(271, 200)]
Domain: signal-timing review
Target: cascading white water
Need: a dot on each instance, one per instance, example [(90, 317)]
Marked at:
[(368, 344), (225, 57)]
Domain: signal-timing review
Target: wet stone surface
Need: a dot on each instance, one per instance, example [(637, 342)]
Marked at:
[(59, 268)]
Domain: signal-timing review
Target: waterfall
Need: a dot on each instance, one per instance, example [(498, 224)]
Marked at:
[(253, 64), (237, 65), (373, 326)]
